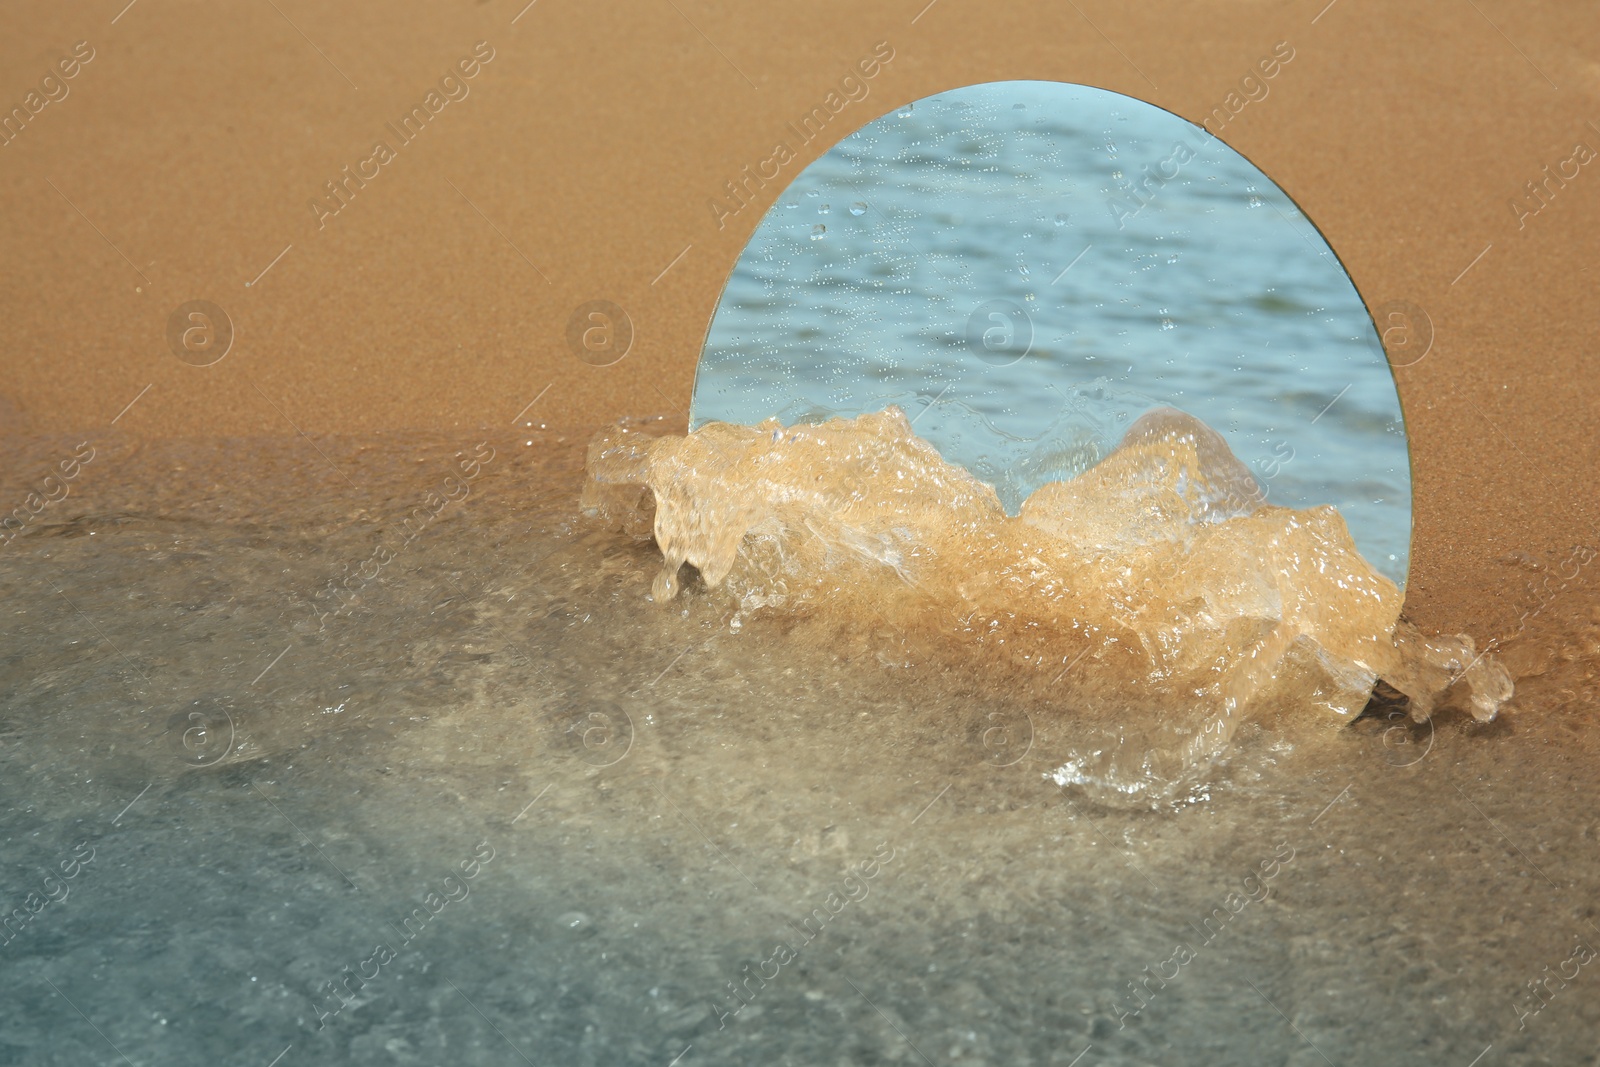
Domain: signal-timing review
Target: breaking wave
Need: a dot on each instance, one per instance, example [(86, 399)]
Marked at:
[(1164, 599)]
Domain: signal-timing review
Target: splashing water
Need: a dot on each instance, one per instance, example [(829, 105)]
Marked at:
[(1151, 604)]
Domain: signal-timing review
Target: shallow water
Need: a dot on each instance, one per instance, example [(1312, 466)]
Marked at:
[(1153, 602), (664, 800)]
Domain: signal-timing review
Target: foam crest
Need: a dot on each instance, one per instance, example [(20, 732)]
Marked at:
[(1163, 600)]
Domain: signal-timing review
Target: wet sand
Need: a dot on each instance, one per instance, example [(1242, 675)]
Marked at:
[(281, 796)]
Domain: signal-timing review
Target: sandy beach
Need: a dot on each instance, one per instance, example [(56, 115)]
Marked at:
[(289, 298), (582, 161)]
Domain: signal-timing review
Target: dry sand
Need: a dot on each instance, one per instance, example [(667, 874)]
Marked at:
[(182, 160)]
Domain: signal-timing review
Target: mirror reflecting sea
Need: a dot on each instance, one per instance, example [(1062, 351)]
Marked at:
[(1026, 267)]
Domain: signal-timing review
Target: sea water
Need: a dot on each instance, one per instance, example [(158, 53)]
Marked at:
[(1026, 267), (1162, 597), (376, 750)]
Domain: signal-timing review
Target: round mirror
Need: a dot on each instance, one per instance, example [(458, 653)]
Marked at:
[(1026, 267)]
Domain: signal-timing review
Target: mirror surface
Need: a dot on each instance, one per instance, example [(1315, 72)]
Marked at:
[(1026, 267)]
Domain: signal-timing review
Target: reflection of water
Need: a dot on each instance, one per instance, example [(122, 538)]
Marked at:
[(889, 270)]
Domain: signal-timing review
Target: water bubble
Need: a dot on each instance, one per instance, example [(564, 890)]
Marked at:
[(1061, 220), (817, 231), (858, 208), (824, 209), (576, 922)]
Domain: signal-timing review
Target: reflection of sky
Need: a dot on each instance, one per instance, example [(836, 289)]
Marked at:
[(1217, 297)]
